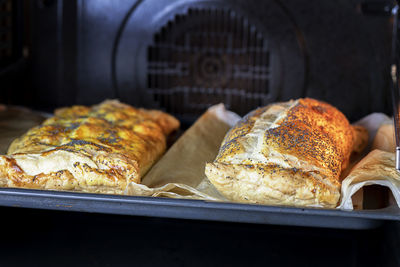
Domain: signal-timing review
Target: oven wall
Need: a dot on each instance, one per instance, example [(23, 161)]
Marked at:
[(73, 45)]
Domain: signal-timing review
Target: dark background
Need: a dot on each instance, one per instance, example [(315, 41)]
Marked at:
[(81, 52), (44, 238)]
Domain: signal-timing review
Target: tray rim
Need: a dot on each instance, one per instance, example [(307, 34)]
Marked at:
[(196, 209)]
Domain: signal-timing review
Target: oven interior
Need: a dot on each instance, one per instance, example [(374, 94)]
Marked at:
[(182, 57)]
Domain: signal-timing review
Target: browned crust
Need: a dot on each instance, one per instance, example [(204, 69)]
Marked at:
[(360, 137), (122, 141), (313, 132)]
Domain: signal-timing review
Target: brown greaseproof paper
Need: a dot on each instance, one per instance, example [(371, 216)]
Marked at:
[(14, 122), (378, 166), (180, 172)]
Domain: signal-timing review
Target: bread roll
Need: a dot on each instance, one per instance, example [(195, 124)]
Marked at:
[(289, 153), (384, 139)]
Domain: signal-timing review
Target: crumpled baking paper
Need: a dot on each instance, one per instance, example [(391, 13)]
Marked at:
[(180, 172), (378, 166), (14, 122)]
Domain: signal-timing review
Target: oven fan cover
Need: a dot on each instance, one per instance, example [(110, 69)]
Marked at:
[(199, 53), (205, 57)]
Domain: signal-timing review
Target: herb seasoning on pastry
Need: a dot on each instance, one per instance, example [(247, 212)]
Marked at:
[(97, 149), (289, 153)]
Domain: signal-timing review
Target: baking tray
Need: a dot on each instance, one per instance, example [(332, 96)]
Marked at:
[(196, 209)]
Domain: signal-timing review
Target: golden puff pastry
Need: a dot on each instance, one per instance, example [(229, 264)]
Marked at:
[(97, 149), (289, 153)]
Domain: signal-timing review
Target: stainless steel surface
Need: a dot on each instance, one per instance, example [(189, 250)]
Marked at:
[(395, 85), (398, 158)]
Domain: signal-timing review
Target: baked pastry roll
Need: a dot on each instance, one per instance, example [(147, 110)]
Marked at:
[(97, 149), (289, 153)]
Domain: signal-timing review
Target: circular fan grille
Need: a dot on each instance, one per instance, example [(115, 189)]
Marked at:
[(208, 56)]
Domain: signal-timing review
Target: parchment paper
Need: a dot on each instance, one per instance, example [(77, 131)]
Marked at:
[(180, 172), (14, 122), (378, 166)]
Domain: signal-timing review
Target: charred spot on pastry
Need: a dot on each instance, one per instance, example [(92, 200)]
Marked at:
[(314, 190), (318, 109)]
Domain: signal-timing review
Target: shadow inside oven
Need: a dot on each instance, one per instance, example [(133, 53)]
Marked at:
[(48, 238)]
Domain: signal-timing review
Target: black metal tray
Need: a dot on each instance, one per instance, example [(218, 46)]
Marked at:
[(196, 209)]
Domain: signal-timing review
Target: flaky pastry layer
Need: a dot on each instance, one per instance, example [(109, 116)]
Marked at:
[(289, 153), (97, 149)]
